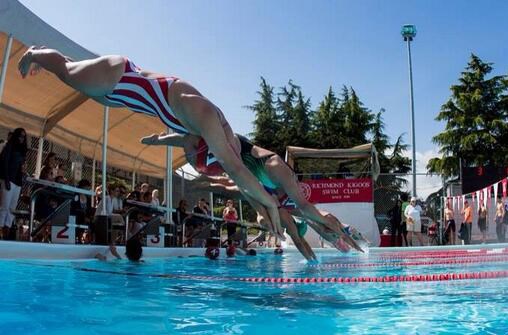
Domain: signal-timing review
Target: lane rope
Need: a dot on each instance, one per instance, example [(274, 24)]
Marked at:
[(474, 260), (307, 280)]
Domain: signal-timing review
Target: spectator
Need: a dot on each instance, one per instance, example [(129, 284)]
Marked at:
[(468, 222), (146, 197), (450, 228), (395, 215), (61, 180), (199, 222), (51, 162), (180, 213), (12, 160), (46, 203), (135, 194), (201, 207), (98, 196), (482, 221), (230, 215), (143, 190), (81, 208), (123, 192), (155, 198), (180, 216), (413, 221), (403, 206), (108, 210), (3, 143), (500, 221), (116, 200)]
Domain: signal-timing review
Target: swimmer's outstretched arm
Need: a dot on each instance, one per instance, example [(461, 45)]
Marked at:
[(49, 59), (286, 179)]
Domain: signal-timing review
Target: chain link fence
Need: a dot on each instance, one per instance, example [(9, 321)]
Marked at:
[(390, 188)]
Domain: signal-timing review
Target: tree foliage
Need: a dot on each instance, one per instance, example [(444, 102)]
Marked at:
[(475, 116), (286, 117)]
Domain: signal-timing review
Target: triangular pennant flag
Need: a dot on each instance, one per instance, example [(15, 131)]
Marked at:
[(496, 188)]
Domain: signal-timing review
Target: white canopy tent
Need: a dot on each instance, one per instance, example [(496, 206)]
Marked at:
[(358, 214), (47, 108)]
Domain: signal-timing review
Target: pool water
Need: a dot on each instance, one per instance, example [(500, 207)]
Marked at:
[(164, 296)]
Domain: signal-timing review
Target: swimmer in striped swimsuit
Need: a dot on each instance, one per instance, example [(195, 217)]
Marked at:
[(115, 81), (145, 95)]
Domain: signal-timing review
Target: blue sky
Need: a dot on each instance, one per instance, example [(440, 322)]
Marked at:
[(224, 46)]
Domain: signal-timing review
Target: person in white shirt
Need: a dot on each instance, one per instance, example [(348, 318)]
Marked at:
[(413, 221), (155, 198)]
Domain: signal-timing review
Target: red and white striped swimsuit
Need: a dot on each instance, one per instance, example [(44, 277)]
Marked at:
[(146, 95)]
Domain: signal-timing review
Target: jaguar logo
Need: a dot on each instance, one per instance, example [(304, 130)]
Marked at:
[(306, 190)]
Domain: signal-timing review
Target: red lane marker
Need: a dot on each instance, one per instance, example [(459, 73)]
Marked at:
[(500, 258)]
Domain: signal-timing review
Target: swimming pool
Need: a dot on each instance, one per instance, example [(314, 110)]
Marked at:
[(199, 296)]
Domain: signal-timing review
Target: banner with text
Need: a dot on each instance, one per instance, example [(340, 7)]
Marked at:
[(337, 190)]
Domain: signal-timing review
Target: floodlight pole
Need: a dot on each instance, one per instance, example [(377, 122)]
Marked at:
[(408, 33)]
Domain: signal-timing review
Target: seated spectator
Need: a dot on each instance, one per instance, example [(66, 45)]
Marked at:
[(135, 194), (180, 216), (52, 162), (143, 190), (101, 210), (45, 205), (61, 180), (155, 198), (98, 195), (146, 197), (81, 208), (116, 201), (123, 192), (106, 205)]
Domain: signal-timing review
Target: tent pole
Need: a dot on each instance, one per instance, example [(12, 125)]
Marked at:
[(104, 157), (5, 62), (94, 164), (38, 163), (169, 181)]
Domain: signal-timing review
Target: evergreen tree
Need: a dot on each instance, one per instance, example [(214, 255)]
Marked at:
[(298, 130), (266, 121), (327, 129), (476, 130), (399, 163), (285, 109), (358, 119), (381, 141)]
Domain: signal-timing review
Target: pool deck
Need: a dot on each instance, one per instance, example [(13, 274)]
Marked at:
[(26, 250)]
